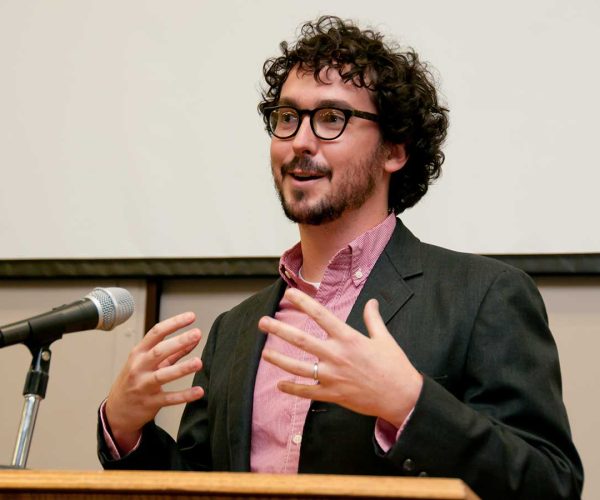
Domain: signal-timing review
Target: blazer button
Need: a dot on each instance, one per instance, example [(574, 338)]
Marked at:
[(423, 474), (408, 465)]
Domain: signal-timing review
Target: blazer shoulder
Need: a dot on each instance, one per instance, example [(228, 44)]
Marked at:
[(458, 262), (472, 274), (412, 257)]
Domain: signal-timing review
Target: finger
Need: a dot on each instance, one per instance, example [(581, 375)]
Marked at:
[(161, 330), (171, 347), (171, 360), (373, 320), (334, 326), (175, 372), (178, 397), (290, 365), (314, 392), (294, 336)]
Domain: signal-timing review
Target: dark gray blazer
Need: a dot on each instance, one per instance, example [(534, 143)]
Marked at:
[(490, 412)]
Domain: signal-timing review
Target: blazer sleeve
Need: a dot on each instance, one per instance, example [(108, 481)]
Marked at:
[(505, 431), (157, 450)]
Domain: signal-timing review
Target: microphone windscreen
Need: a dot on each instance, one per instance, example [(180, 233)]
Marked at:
[(115, 306)]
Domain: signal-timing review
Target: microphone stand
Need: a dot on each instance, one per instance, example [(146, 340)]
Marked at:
[(34, 391)]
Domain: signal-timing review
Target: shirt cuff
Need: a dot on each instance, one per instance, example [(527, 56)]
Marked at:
[(386, 434), (108, 439)]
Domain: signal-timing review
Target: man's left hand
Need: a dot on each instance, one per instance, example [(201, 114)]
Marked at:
[(369, 375)]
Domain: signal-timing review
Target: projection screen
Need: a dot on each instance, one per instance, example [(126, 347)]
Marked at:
[(130, 129)]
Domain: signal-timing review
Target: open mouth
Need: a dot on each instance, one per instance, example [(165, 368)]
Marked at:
[(306, 176), (304, 170)]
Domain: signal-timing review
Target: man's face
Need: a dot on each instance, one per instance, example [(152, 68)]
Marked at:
[(317, 180)]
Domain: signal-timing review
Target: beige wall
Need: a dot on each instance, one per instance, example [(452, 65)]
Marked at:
[(573, 306), (84, 364)]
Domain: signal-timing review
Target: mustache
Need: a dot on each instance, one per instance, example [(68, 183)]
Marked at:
[(305, 165)]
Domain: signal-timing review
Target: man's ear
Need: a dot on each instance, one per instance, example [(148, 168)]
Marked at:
[(396, 157)]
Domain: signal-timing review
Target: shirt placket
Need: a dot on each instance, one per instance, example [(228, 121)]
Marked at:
[(327, 295)]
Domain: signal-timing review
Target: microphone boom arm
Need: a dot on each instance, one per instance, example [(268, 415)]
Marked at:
[(50, 326)]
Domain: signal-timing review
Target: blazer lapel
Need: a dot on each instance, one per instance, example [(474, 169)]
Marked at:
[(242, 376), (399, 261)]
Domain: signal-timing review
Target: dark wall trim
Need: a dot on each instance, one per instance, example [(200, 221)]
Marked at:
[(153, 296), (255, 267), (139, 268), (555, 264)]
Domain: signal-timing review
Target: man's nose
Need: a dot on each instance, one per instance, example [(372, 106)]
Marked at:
[(305, 142)]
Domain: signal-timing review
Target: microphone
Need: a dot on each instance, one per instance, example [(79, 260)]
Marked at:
[(101, 309)]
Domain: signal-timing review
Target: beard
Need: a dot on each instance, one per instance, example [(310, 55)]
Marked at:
[(356, 183)]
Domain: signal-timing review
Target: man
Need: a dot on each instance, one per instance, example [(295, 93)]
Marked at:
[(382, 355)]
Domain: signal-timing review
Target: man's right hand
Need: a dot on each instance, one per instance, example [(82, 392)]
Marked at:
[(137, 395)]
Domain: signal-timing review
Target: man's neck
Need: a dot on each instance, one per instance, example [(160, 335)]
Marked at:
[(320, 243)]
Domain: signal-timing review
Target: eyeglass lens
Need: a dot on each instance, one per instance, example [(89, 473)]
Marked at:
[(327, 123)]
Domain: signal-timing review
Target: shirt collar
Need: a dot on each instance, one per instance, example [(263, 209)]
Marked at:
[(363, 252)]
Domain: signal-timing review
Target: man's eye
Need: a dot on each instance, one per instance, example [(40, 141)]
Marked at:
[(287, 117), (331, 117)]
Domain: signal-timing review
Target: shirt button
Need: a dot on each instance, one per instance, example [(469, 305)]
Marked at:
[(287, 274), (408, 465), (297, 439), (358, 274)]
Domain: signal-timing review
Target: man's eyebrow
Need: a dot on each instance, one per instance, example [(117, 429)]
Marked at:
[(285, 101), (334, 103)]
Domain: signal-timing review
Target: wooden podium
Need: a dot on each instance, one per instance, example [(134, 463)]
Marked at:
[(145, 485)]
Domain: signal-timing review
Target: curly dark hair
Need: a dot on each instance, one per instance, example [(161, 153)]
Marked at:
[(403, 89)]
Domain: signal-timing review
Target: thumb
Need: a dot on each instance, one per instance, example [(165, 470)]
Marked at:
[(373, 320)]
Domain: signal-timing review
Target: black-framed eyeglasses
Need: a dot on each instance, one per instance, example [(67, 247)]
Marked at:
[(326, 122)]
